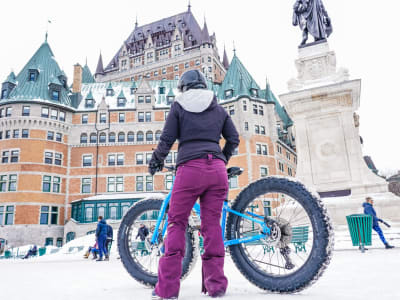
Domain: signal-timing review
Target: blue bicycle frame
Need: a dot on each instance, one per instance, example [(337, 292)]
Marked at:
[(225, 209)]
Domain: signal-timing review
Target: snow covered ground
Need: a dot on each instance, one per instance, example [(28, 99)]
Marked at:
[(351, 275)]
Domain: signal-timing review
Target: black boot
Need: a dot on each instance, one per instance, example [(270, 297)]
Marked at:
[(387, 246)]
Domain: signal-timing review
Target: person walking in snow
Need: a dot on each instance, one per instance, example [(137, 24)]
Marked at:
[(142, 232), (101, 237), (369, 210), (197, 121)]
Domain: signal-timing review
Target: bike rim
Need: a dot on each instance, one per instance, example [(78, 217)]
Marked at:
[(145, 255), (289, 252)]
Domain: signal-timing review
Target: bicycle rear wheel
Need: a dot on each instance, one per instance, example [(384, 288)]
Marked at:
[(300, 247), (138, 256)]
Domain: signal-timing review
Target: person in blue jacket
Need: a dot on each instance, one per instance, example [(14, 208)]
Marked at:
[(369, 210), (101, 236)]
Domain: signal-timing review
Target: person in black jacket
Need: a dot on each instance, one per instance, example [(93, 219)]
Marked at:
[(142, 232), (197, 121), (369, 210)]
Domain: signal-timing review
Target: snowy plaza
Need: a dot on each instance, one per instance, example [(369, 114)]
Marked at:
[(351, 275)]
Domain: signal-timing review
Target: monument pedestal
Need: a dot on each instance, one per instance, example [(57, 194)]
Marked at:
[(322, 103)]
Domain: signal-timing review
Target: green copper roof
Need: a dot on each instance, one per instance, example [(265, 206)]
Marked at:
[(11, 78), (109, 87), (43, 61), (238, 79), (121, 95), (133, 86), (87, 76)]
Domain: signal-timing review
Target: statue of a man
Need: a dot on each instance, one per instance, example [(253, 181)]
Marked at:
[(311, 17)]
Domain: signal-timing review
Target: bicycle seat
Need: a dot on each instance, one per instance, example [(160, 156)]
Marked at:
[(234, 171)]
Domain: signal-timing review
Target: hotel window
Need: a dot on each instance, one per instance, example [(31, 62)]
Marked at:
[(102, 138), (83, 138), (257, 129), (93, 138), (55, 95), (1, 112), (141, 99), (121, 117), (57, 159), (59, 242), (197, 62), (176, 68), (50, 135), (45, 112), (140, 136), (11, 183), (279, 149), (62, 116), (115, 184), (50, 184), (139, 183), (261, 110), (263, 172), (48, 158), (14, 156), (148, 99), (9, 215), (186, 65), (168, 159), (54, 114), (244, 106), (58, 137), (120, 159), (290, 172), (131, 136), (8, 111), (121, 137), (141, 116), (111, 159), (262, 130), (84, 119), (139, 158), (168, 182), (16, 133), (231, 110), (103, 118), (111, 137), (255, 109), (158, 135), (264, 150), (25, 133), (148, 157), (26, 111), (149, 183), (288, 155), (49, 215), (281, 167), (258, 149), (87, 160), (149, 136), (164, 70), (148, 116), (7, 134), (246, 126)]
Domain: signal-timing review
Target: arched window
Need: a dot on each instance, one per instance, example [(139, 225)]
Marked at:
[(158, 135), (131, 136), (83, 138), (102, 137), (149, 136), (140, 136), (121, 137), (111, 137), (93, 138), (70, 236)]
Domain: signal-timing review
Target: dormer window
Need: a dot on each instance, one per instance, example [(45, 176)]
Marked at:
[(133, 90), (55, 95), (170, 99), (4, 94), (161, 90), (33, 74), (110, 92), (228, 93), (121, 102), (254, 92), (89, 103), (63, 80)]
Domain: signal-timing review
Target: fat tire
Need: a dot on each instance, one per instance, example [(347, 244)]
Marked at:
[(123, 247), (321, 252)]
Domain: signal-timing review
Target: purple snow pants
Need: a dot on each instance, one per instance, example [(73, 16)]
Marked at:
[(205, 179)]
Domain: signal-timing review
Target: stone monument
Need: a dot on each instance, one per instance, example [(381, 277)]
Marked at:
[(323, 102)]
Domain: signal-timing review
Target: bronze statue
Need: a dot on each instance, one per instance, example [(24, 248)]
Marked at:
[(311, 17)]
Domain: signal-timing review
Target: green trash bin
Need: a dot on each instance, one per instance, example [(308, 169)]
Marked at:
[(7, 254), (42, 251), (360, 227)]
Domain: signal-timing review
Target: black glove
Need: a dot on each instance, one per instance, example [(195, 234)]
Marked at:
[(386, 224), (155, 166)]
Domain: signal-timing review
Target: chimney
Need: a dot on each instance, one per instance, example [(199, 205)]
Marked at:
[(77, 82)]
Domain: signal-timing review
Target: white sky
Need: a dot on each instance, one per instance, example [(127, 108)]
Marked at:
[(364, 38)]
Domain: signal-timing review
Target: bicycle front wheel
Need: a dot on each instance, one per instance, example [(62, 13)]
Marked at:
[(139, 257), (299, 247)]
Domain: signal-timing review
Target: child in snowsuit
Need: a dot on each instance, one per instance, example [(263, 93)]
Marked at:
[(197, 121), (369, 210), (101, 237)]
